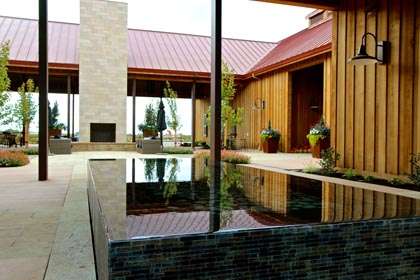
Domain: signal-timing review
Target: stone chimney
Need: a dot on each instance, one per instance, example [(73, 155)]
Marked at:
[(103, 71)]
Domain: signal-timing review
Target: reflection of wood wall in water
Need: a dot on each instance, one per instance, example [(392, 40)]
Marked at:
[(199, 168), (343, 203), (266, 188)]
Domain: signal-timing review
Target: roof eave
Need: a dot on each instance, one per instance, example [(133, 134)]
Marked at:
[(291, 60), (317, 4), (14, 65)]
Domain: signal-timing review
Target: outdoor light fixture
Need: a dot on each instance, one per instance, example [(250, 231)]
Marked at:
[(257, 180), (362, 58), (260, 101)]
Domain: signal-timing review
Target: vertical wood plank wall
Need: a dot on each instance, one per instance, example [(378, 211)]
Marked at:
[(275, 89), (376, 119)]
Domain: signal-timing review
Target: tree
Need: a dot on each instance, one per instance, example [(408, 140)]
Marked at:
[(150, 115), (53, 117), (148, 127), (54, 114), (174, 120), (23, 112), (4, 79), (229, 117)]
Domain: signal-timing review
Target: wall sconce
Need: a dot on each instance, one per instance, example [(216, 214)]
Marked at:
[(257, 181), (362, 58), (261, 102)]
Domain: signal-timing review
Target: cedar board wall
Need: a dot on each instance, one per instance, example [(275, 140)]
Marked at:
[(376, 118)]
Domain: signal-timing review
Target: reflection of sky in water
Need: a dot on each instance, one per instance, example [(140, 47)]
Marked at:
[(183, 174)]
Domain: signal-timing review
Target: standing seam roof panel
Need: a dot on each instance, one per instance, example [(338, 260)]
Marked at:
[(172, 49), (195, 57), (190, 62), (297, 44), (151, 50)]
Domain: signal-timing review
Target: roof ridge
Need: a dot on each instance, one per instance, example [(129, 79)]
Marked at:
[(198, 35)]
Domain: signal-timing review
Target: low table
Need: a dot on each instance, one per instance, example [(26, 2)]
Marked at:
[(60, 146), (149, 146)]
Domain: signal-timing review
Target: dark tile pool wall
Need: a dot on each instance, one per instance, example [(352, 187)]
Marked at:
[(375, 249)]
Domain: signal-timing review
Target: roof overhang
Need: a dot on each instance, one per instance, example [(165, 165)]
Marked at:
[(292, 60), (317, 4)]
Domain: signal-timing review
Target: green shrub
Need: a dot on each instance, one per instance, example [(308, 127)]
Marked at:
[(178, 151), (311, 170), (368, 178), (395, 181), (415, 169), (350, 174), (329, 158), (11, 159), (227, 156), (29, 151)]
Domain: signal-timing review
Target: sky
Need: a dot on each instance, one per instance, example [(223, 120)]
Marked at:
[(241, 19)]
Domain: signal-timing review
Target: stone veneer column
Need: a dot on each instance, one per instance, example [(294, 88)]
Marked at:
[(103, 66)]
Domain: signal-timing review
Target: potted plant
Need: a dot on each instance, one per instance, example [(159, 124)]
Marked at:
[(150, 120), (270, 139), (319, 138), (54, 127)]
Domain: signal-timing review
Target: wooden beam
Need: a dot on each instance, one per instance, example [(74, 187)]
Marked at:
[(317, 4)]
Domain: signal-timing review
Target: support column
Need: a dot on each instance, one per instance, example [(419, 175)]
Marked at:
[(193, 114), (43, 91), (68, 105), (72, 118), (133, 93), (215, 95)]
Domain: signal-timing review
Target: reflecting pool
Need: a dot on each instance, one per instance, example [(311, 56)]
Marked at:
[(165, 196)]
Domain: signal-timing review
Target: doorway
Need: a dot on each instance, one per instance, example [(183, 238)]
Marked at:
[(307, 102)]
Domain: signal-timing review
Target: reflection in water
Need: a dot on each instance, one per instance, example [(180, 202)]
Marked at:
[(149, 168), (171, 184), (166, 201), (231, 177)]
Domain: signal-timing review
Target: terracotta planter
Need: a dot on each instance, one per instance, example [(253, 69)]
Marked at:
[(271, 145), (54, 132), (149, 133), (320, 146)]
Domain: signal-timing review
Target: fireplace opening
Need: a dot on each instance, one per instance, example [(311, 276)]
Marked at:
[(102, 132)]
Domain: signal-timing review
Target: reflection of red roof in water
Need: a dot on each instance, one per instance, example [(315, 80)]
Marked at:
[(191, 222)]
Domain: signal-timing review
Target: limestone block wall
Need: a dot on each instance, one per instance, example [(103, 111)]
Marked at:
[(103, 66)]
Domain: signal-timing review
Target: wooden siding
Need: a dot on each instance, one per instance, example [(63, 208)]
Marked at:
[(202, 106), (275, 88), (375, 123)]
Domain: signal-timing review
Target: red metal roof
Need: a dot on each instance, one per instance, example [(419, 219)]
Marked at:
[(162, 52), (307, 42), (189, 53), (23, 36), (190, 222)]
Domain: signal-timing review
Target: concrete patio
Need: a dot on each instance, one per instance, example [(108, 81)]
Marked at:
[(44, 226)]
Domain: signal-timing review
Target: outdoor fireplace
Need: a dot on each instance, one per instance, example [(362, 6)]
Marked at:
[(102, 132)]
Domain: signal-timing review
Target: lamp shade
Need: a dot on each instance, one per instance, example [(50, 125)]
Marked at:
[(362, 58)]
